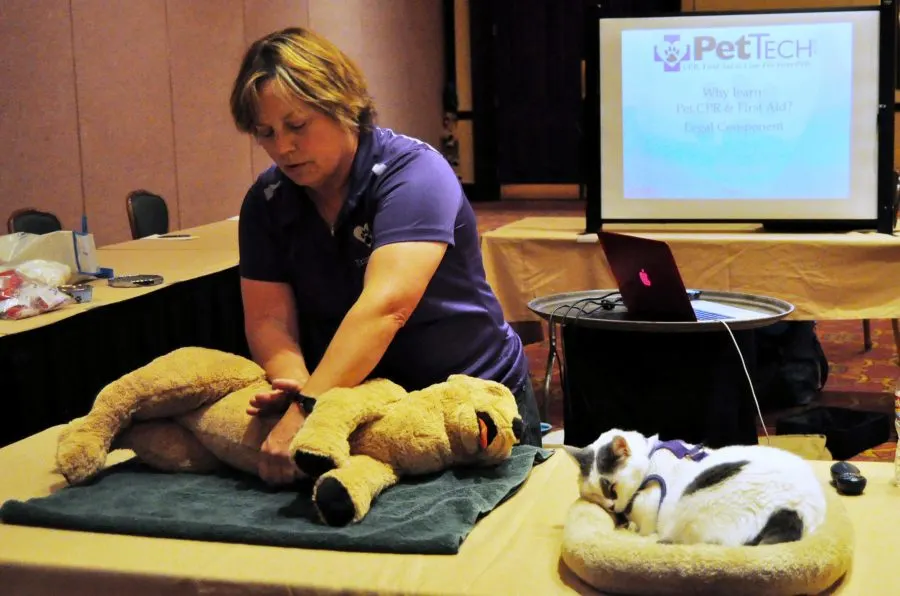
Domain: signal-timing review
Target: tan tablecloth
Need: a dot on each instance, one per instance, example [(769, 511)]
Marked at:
[(220, 235), (825, 276), (514, 550), (214, 249)]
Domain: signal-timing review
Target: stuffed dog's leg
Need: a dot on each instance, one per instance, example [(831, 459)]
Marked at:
[(323, 441), (167, 446), (172, 384), (345, 495)]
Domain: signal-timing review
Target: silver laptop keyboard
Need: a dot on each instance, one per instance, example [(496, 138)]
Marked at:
[(703, 315)]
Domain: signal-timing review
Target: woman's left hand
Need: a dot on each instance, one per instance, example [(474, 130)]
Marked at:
[(275, 401)]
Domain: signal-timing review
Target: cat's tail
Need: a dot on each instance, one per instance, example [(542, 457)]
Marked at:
[(784, 525)]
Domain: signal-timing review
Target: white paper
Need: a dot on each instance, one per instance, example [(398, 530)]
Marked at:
[(171, 236)]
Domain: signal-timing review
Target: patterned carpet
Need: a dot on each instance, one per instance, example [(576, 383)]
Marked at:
[(857, 380)]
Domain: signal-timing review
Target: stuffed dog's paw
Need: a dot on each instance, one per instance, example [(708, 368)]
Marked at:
[(80, 452), (333, 502), (313, 464)]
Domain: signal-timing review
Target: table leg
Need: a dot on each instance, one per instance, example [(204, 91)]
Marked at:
[(895, 324), (867, 335), (548, 376)]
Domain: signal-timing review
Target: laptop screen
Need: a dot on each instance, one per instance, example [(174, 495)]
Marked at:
[(648, 278)]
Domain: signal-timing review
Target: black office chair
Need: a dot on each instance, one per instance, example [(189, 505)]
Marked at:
[(32, 221), (147, 213)]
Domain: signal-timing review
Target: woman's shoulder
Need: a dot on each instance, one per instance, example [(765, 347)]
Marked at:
[(270, 188), (271, 197), (392, 144), (267, 184), (408, 156)]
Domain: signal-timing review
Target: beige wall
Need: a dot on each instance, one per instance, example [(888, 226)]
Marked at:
[(40, 163), (100, 97), (399, 44)]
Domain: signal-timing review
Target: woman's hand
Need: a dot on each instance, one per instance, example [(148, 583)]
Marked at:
[(276, 467), (275, 464), (275, 401)]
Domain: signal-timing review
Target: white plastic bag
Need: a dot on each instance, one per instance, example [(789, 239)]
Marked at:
[(74, 249), (47, 272), (21, 297)]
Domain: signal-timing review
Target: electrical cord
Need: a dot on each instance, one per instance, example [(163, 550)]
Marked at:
[(749, 380), (600, 303)]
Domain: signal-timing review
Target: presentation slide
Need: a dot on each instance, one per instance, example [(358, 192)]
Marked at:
[(741, 116)]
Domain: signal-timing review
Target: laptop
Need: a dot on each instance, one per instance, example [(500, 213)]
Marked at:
[(651, 286)]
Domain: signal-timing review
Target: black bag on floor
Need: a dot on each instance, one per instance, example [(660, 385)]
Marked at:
[(791, 365)]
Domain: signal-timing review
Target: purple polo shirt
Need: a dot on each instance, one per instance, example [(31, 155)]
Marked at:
[(401, 190)]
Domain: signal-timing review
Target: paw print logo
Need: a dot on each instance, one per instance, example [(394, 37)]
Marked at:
[(363, 233), (671, 53)]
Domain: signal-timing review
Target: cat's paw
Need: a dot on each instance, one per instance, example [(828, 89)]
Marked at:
[(632, 527)]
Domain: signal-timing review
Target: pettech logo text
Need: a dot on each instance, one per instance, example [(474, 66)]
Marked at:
[(749, 47)]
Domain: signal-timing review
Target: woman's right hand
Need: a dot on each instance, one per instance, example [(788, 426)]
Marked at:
[(276, 466)]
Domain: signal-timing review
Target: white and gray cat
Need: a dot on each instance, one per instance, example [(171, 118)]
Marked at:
[(686, 494)]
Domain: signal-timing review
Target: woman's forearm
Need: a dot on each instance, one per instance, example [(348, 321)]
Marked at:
[(275, 348), (356, 348)]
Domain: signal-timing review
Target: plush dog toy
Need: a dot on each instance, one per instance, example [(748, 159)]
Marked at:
[(361, 441), (186, 411)]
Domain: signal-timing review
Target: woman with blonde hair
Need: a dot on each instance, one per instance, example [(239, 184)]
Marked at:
[(359, 253)]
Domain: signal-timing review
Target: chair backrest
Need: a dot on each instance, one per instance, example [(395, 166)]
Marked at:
[(147, 213), (32, 221)]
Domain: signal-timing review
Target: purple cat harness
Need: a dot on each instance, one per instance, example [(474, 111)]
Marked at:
[(677, 448)]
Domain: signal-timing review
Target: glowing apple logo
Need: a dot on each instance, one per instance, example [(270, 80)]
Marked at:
[(645, 278)]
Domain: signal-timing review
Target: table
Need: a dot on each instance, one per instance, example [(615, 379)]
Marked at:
[(513, 550), (220, 235), (825, 276), (683, 380), (57, 362), (214, 250)]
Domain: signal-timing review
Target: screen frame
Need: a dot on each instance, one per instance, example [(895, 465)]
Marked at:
[(887, 81)]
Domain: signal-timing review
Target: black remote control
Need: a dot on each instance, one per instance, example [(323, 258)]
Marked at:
[(846, 478)]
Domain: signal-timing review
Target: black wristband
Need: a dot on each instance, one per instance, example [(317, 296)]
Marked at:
[(306, 402)]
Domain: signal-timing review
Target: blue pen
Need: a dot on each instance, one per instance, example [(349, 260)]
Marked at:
[(84, 225)]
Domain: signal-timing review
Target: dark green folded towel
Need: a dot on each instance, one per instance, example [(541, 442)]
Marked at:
[(430, 514)]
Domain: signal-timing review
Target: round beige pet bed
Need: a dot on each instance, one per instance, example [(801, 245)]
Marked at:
[(623, 562)]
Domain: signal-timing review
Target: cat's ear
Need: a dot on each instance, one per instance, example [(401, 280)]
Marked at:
[(584, 457), (574, 452), (620, 447)]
